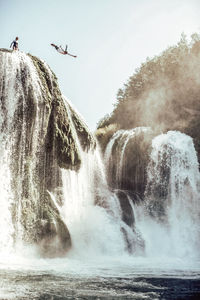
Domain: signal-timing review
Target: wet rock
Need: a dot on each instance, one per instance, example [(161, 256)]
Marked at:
[(40, 129), (127, 212), (54, 237)]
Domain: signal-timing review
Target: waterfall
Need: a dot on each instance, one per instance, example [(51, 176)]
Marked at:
[(91, 211), (171, 225), (93, 228), (18, 78), (6, 199), (58, 193), (168, 218)]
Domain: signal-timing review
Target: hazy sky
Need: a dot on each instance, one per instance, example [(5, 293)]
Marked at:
[(110, 37)]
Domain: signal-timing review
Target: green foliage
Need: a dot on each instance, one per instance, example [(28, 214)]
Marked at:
[(163, 92)]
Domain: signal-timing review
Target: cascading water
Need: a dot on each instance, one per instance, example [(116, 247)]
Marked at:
[(91, 211), (93, 230), (168, 218), (14, 69), (171, 224), (7, 199)]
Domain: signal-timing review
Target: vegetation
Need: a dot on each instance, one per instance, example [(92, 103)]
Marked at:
[(164, 92)]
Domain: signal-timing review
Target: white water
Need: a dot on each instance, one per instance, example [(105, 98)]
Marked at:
[(17, 75), (94, 229), (9, 69), (178, 235), (6, 199)]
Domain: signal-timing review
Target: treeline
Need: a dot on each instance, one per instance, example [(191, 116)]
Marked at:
[(164, 92)]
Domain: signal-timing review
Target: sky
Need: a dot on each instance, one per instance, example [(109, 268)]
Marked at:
[(111, 38)]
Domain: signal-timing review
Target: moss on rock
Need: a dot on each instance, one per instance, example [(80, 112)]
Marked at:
[(60, 130)]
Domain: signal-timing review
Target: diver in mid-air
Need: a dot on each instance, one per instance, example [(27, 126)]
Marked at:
[(62, 51)]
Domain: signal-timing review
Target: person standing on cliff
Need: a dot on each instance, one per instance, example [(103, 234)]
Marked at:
[(14, 44)]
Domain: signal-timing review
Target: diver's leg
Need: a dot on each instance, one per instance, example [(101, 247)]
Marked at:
[(72, 55)]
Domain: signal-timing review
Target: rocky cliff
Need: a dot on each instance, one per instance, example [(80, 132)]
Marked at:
[(40, 134)]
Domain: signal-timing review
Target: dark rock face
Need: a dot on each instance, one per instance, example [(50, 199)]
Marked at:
[(53, 236), (60, 131), (40, 130), (134, 241), (128, 161), (127, 212)]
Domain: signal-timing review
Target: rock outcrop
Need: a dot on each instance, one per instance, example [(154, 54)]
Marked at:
[(41, 133), (126, 157)]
